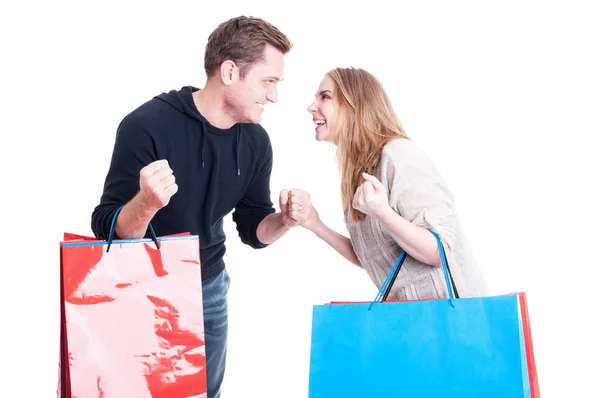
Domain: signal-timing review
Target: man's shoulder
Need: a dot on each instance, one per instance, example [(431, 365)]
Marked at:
[(149, 117), (257, 130), (257, 137), (149, 111)]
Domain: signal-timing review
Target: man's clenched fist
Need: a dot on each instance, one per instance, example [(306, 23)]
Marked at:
[(157, 185)]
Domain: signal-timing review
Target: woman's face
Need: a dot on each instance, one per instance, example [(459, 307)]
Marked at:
[(324, 111)]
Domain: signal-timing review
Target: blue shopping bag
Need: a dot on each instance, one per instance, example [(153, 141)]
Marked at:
[(457, 347)]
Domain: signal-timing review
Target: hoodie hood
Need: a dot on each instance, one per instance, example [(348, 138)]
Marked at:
[(183, 101)]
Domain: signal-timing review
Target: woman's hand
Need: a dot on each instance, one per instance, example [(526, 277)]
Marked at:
[(371, 198)]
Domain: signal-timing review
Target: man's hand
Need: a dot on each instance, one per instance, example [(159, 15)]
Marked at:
[(157, 185), (296, 208)]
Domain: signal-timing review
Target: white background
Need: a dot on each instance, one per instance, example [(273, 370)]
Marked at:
[(504, 96)]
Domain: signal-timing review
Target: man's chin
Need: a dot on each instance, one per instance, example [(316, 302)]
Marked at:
[(254, 119)]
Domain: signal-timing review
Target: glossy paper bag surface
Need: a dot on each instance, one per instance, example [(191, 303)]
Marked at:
[(475, 348), (132, 319)]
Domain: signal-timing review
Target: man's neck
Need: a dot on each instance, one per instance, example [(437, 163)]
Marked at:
[(209, 102)]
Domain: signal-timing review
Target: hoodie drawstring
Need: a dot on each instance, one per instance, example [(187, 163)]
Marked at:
[(237, 149), (204, 134)]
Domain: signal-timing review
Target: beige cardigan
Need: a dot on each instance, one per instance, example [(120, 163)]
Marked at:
[(417, 192)]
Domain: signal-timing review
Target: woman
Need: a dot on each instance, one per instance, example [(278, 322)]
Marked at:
[(392, 193)]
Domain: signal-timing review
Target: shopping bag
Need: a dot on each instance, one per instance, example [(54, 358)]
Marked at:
[(131, 318), (456, 347)]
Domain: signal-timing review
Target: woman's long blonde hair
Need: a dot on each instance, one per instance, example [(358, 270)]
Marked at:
[(366, 123)]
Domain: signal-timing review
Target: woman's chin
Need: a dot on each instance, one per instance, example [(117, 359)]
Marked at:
[(321, 137)]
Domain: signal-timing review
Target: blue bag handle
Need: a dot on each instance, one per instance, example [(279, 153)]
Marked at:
[(112, 230), (389, 281)]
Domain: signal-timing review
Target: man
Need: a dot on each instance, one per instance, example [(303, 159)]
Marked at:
[(186, 158)]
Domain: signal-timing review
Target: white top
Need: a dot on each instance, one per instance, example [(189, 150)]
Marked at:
[(418, 193)]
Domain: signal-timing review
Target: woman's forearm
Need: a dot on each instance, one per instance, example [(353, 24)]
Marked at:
[(338, 242)]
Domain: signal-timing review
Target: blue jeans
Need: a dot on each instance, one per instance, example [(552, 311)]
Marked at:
[(214, 296)]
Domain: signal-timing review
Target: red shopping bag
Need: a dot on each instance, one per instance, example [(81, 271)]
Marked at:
[(131, 318), (531, 368)]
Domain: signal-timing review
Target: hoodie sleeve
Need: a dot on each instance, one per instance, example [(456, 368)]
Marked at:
[(256, 204), (133, 150)]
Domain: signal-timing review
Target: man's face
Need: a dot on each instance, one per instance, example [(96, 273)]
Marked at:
[(247, 97)]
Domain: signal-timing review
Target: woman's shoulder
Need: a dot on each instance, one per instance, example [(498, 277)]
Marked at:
[(404, 151)]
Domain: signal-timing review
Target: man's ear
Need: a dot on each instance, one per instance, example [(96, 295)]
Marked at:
[(229, 72)]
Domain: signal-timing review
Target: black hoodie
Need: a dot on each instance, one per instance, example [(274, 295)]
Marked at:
[(216, 171)]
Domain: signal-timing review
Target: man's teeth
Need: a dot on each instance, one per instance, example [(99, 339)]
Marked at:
[(260, 105)]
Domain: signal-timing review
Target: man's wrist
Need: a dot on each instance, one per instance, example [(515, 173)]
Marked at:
[(141, 210)]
